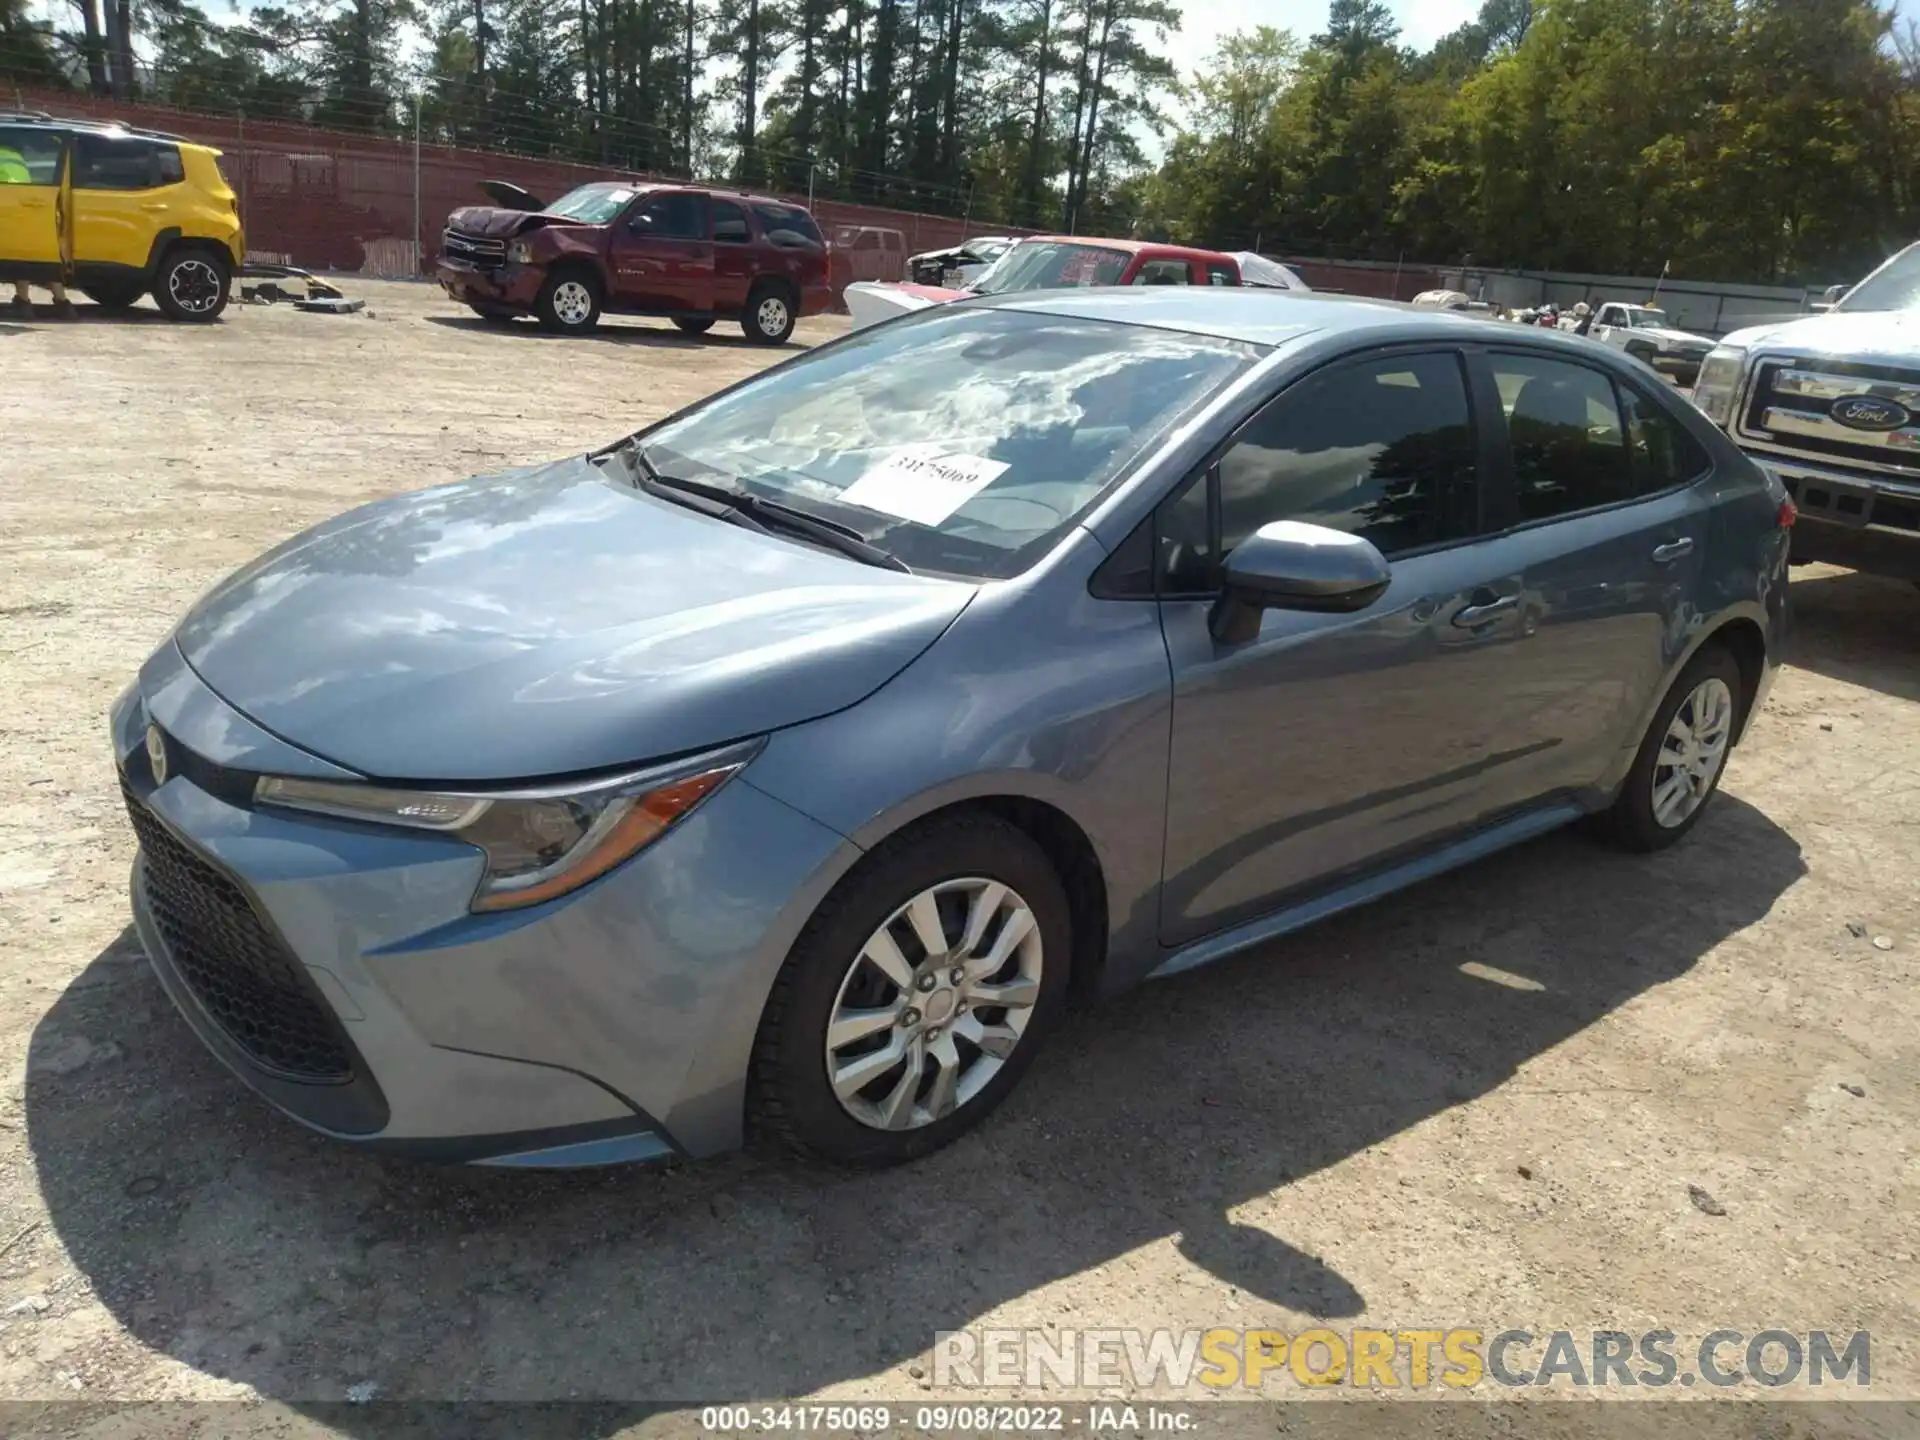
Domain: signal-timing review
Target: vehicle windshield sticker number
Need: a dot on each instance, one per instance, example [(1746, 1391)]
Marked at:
[(919, 483), (621, 197)]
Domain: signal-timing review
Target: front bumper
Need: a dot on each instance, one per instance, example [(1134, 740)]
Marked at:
[(614, 1024), (1850, 518), (510, 287)]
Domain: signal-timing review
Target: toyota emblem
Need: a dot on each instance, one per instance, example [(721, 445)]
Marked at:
[(157, 754)]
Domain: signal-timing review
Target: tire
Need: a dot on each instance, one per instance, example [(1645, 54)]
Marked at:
[(1636, 821), (192, 284), (693, 324), (494, 315), (770, 315), (569, 303), (790, 1096), (111, 296), (1643, 353)]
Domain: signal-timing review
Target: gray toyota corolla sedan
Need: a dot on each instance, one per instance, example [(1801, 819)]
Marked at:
[(791, 766)]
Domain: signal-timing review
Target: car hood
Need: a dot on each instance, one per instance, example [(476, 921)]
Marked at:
[(869, 302), (495, 221), (547, 621), (1673, 337), (1891, 335)]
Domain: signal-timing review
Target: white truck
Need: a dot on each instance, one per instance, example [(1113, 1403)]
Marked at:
[(1830, 403), (1646, 333)]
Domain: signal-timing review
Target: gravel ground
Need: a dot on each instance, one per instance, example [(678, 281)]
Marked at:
[(1486, 1102)]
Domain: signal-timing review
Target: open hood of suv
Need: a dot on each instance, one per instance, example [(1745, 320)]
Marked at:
[(508, 196), (548, 621)]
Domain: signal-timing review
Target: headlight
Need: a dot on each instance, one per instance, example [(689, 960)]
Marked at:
[(538, 843), (519, 252), (1718, 382)]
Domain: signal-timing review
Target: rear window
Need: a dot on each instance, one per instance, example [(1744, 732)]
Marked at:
[(788, 224)]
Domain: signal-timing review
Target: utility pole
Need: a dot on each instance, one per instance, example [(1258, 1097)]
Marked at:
[(419, 255)]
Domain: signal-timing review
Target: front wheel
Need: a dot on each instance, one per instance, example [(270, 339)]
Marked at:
[(569, 303), (192, 285), (769, 317), (916, 996), (1683, 755)]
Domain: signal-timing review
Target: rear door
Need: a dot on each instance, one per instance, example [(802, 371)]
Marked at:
[(1329, 743), (124, 188), (661, 256), (733, 258), (1610, 533), (31, 217)]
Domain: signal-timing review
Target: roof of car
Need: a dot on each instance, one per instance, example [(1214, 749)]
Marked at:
[(35, 119), (1132, 247), (1264, 317)]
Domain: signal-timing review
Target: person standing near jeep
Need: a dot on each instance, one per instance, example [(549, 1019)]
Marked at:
[(689, 254)]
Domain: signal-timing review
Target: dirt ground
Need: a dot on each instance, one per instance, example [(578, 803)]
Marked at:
[(1480, 1103)]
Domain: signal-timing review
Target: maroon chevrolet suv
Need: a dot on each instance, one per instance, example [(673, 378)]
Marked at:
[(692, 254)]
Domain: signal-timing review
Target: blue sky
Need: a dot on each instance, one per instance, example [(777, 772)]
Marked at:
[(1207, 20)]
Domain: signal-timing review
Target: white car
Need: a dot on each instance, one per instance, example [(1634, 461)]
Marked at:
[(1647, 334)]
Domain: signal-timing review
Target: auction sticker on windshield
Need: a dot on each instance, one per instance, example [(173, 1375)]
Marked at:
[(919, 483)]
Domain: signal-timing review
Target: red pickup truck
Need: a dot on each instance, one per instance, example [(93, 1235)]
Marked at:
[(689, 253)]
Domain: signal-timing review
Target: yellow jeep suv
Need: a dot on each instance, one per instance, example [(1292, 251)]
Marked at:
[(118, 213)]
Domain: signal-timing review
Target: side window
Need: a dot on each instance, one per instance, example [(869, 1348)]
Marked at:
[(1163, 272), (117, 162), (789, 226), (1609, 315), (29, 157), (1563, 423), (730, 224), (673, 217), (1380, 448), (1188, 562), (1663, 454), (1220, 274)]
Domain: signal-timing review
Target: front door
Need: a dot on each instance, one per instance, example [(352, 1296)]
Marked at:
[(1328, 741), (661, 257), (32, 218)]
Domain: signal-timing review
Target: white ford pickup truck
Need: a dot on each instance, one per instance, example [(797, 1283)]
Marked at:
[(1646, 333), (1830, 403)]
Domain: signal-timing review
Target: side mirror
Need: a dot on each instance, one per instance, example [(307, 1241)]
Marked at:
[(1289, 565), (640, 223)]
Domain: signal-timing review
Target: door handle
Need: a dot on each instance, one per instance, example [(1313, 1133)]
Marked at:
[(1472, 615), (1673, 550)]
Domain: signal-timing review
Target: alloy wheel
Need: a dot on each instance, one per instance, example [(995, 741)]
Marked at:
[(1692, 752), (936, 1001), (194, 286), (772, 316), (572, 302)]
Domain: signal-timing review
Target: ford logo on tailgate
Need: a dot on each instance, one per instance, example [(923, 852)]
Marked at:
[(1869, 412)]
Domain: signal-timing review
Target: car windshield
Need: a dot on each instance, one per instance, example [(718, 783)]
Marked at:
[(1050, 265), (964, 442), (594, 204), (1894, 286), (1642, 317)]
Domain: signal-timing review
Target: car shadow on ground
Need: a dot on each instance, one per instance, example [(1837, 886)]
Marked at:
[(626, 332), (220, 1234), (1863, 629)]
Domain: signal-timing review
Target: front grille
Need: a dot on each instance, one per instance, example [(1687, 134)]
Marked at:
[(1792, 410), (480, 250), (247, 980)]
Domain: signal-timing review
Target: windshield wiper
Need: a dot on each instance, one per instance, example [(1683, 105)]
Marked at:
[(763, 514)]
